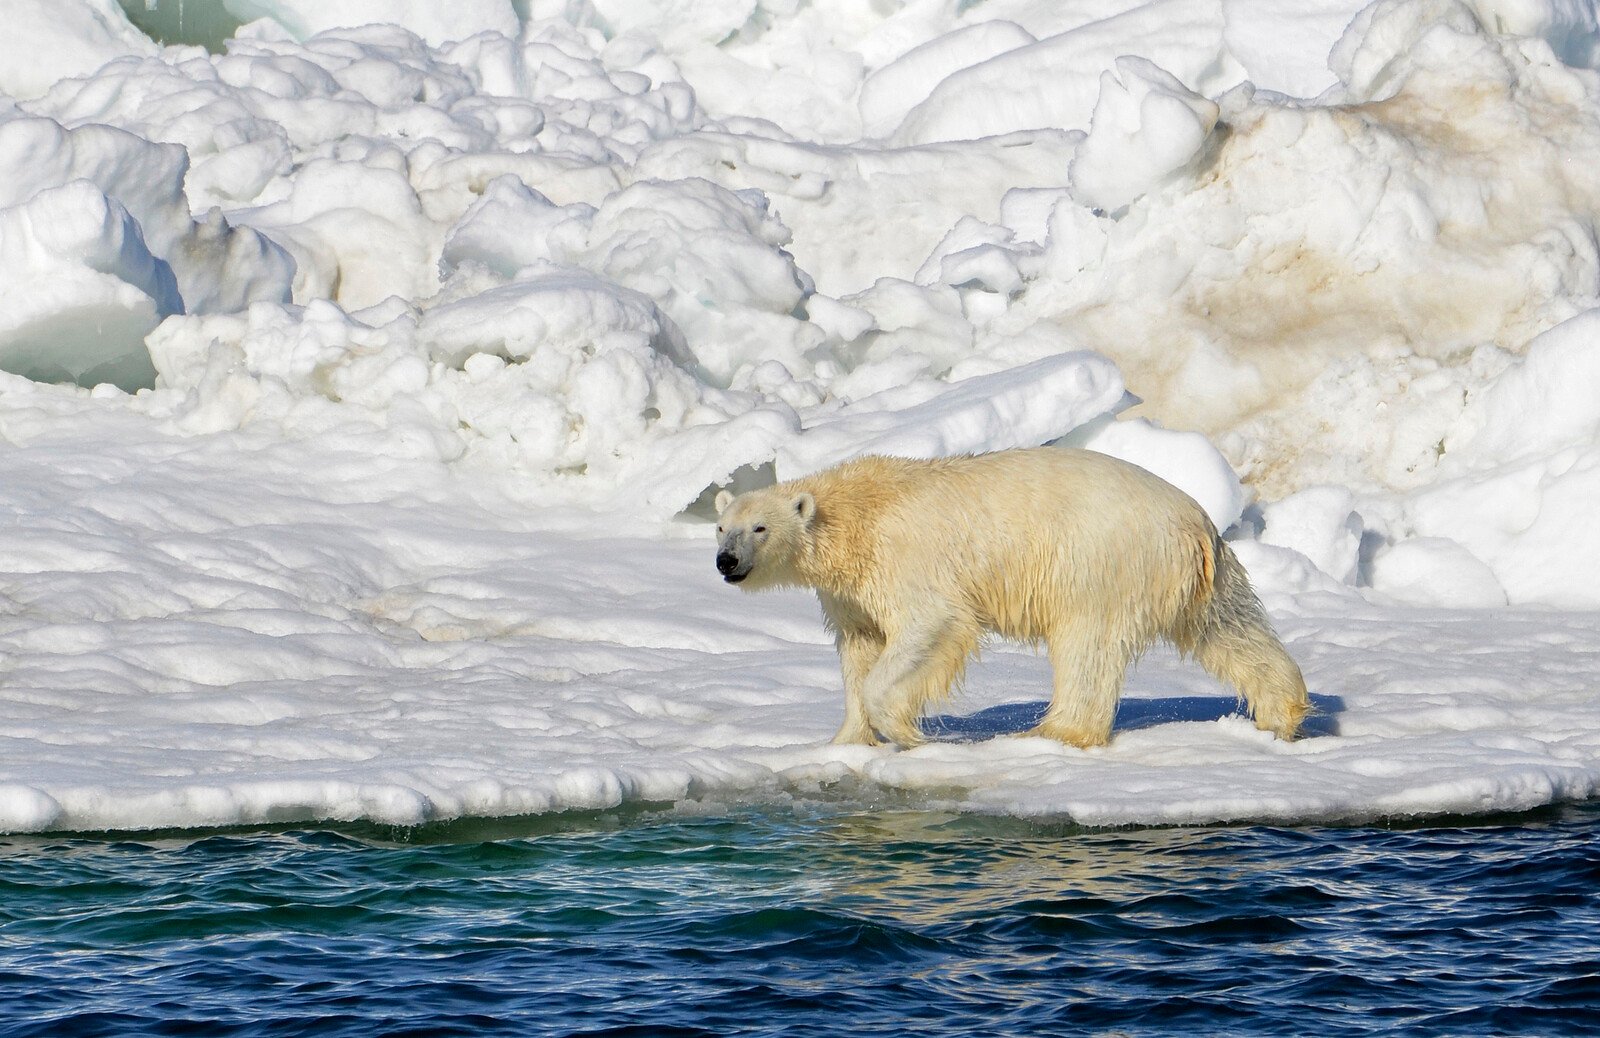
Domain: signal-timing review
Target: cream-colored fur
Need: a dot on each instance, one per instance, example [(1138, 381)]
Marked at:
[(914, 561)]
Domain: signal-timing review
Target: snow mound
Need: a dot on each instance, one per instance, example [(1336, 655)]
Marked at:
[(1519, 478)]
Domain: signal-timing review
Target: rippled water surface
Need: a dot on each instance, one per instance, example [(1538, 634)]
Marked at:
[(806, 922)]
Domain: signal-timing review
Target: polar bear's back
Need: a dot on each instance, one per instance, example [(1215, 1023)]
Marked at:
[(997, 491), (1024, 538)]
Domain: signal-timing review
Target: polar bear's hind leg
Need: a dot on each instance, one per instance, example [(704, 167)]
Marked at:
[(1235, 642)]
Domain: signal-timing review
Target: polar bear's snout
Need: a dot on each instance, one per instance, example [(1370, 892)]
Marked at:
[(728, 566), (735, 556)]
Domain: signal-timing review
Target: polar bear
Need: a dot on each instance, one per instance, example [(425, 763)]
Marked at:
[(915, 560)]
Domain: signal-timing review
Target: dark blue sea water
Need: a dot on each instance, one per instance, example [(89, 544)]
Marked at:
[(806, 921)]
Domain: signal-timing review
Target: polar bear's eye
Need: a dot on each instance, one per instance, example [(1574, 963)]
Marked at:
[(761, 529)]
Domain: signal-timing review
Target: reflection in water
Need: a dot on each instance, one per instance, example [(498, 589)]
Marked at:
[(927, 869)]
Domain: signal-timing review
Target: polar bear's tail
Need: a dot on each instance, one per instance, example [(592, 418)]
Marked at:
[(1235, 641)]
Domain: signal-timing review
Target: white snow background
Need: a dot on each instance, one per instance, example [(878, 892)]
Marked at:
[(365, 385)]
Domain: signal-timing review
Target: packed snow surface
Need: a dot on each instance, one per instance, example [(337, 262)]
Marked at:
[(365, 379)]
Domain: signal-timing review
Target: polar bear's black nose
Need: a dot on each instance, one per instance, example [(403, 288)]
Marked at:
[(727, 562)]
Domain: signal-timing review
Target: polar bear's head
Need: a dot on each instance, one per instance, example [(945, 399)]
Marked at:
[(759, 534)]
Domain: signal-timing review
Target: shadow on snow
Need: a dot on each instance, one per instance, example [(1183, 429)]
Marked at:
[(1132, 714)]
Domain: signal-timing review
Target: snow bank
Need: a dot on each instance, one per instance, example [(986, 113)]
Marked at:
[(1322, 259), (1184, 459), (640, 327), (587, 392), (1506, 515), (1276, 271)]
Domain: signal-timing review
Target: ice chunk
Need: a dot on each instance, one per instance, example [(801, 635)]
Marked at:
[(145, 178), (974, 253), (79, 290), (1532, 522), (1386, 38), (1571, 27), (114, 247), (512, 226), (1026, 212), (916, 330), (713, 260), (1546, 403), (1146, 127), (357, 232), (1320, 523), (558, 316), (26, 809), (910, 197)]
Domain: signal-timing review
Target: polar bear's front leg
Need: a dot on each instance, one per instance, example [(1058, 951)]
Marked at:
[(858, 651), (918, 666)]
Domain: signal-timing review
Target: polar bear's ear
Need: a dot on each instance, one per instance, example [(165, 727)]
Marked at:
[(805, 506), (724, 499)]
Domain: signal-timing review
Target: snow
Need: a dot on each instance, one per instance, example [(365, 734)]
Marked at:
[(45, 43), (1146, 126), (1320, 523), (1056, 81), (893, 90), (365, 381)]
